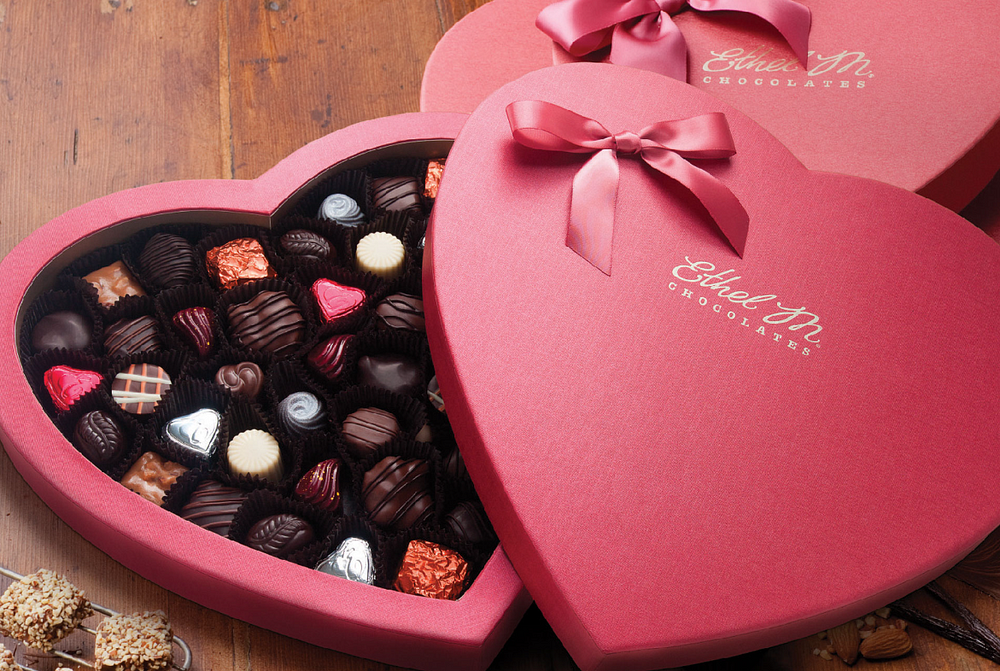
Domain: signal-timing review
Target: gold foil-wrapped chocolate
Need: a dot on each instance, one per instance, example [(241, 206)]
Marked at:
[(240, 260), (432, 570), (433, 180)]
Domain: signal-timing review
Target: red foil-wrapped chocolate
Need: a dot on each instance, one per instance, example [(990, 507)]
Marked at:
[(321, 485), (433, 180), (432, 570), (240, 260), (67, 385)]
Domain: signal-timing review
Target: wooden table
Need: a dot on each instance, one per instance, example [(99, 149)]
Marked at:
[(102, 95)]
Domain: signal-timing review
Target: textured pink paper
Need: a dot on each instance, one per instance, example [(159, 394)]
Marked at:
[(677, 471), (380, 624), (904, 94)]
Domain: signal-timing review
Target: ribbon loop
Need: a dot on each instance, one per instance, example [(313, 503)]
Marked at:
[(664, 146), (642, 34)]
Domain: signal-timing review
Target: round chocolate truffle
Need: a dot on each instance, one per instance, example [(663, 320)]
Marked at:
[(301, 413), (167, 260), (64, 329)]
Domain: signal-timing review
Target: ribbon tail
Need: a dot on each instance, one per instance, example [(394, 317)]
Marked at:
[(792, 19), (722, 204), (653, 43), (583, 26), (592, 210)]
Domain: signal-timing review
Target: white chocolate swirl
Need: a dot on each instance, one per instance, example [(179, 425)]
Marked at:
[(342, 209)]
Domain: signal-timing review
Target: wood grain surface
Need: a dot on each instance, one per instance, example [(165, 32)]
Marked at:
[(102, 95)]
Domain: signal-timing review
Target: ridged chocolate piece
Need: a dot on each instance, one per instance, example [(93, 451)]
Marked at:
[(196, 325), (321, 485), (268, 322), (99, 438), (256, 453), (167, 260), (397, 492), (432, 570), (131, 336), (396, 194), (280, 535), (380, 253), (307, 244), (213, 506), (454, 464), (342, 209), (301, 413), (401, 311), (330, 356), (244, 378), (64, 329), (469, 523), (152, 476), (366, 429), (392, 372), (140, 388)]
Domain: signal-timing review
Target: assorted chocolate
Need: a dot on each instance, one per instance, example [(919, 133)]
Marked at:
[(272, 388)]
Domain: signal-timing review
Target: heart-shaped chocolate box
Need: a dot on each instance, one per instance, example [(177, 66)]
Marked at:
[(701, 454), (896, 92), (295, 600)]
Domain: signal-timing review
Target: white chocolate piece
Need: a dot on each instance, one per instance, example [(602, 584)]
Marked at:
[(342, 209), (381, 253), (256, 452)]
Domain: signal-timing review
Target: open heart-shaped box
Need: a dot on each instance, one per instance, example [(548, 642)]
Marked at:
[(295, 600), (699, 454), (891, 92)]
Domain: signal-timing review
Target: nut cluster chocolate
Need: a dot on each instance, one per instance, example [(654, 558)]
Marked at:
[(270, 386)]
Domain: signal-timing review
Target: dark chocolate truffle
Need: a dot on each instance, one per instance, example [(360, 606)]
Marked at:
[(401, 311), (213, 506), (301, 413), (307, 244), (397, 492), (64, 329), (454, 465), (269, 322), (99, 438), (366, 429), (396, 194), (280, 535), (167, 260), (131, 336), (197, 326), (243, 379), (469, 523), (392, 372)]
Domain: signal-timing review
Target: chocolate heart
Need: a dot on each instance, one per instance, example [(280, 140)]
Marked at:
[(736, 429), (197, 432), (67, 385), (336, 300), (351, 560)]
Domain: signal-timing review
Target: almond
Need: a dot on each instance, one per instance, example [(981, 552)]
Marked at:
[(846, 640), (886, 644)]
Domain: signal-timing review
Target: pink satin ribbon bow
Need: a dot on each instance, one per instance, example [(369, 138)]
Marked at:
[(664, 146), (642, 34)]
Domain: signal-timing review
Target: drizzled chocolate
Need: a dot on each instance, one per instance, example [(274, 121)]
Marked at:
[(269, 322), (131, 336), (397, 492), (167, 260), (213, 506)]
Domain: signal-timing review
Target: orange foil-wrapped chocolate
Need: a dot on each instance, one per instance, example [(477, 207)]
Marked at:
[(434, 171), (240, 260), (429, 569)]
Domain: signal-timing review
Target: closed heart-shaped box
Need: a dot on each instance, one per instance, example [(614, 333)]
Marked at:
[(219, 573), (898, 93), (702, 454)]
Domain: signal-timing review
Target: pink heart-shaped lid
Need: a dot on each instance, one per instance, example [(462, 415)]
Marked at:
[(899, 92), (676, 472)]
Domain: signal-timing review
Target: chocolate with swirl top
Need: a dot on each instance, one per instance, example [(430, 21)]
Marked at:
[(168, 260), (268, 322), (131, 336), (301, 413), (397, 492), (243, 379), (213, 506), (342, 209), (401, 311), (396, 194)]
